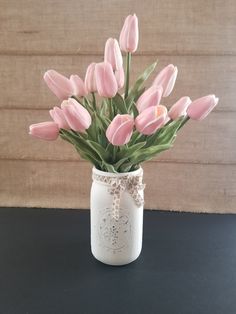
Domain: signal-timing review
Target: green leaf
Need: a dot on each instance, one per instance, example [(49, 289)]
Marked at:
[(103, 121), (138, 94), (102, 139), (127, 152), (132, 104), (148, 153), (93, 129), (139, 83), (88, 157), (102, 153), (119, 102), (168, 133), (134, 137), (120, 162), (87, 105), (81, 144), (103, 108), (133, 109), (165, 134), (126, 167), (108, 167)]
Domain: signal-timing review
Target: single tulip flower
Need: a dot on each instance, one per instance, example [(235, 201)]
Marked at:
[(105, 80), (129, 34), (59, 84), (151, 119), (90, 81), (77, 117), (151, 97), (201, 107), (58, 117), (120, 129), (78, 86), (120, 77), (48, 131), (179, 108), (113, 54), (166, 78)]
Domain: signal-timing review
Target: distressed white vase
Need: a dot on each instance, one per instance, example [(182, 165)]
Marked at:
[(116, 225)]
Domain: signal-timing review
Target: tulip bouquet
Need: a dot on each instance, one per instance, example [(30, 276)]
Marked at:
[(122, 128)]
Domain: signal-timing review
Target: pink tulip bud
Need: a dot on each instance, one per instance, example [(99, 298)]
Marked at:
[(151, 97), (113, 54), (59, 118), (120, 129), (201, 107), (120, 77), (90, 81), (78, 86), (45, 130), (166, 78), (151, 119), (59, 84), (179, 108), (77, 117), (129, 34), (105, 80)]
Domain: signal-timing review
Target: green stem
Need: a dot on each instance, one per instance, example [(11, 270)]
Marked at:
[(111, 111), (185, 120), (87, 104), (128, 61), (114, 151), (94, 102), (140, 138)]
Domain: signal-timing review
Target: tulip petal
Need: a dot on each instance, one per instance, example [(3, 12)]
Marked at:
[(120, 129), (59, 84), (48, 131), (179, 108), (77, 117), (201, 107)]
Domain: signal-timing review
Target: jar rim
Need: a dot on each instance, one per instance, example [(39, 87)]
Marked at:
[(139, 171)]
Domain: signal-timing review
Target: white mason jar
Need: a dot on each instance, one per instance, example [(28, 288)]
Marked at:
[(116, 216)]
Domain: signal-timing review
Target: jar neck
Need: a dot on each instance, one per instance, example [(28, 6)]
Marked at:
[(138, 172)]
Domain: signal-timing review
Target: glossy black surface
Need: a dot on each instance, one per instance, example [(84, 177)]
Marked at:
[(188, 265)]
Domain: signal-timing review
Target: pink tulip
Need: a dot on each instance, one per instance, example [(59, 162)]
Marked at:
[(45, 130), (120, 129), (59, 84), (179, 108), (113, 54), (201, 107), (151, 119), (105, 80), (78, 86), (120, 77), (59, 118), (129, 34), (90, 81), (151, 97), (166, 78), (77, 117)]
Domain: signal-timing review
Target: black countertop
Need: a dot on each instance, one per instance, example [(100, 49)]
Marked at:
[(188, 265)]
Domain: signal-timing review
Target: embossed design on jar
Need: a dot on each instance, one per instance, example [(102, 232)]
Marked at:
[(114, 235)]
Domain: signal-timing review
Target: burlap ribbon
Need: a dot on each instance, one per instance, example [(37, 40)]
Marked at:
[(131, 183)]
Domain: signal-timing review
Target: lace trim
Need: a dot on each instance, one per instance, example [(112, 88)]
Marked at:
[(131, 183)]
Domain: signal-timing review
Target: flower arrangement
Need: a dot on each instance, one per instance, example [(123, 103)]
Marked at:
[(117, 132)]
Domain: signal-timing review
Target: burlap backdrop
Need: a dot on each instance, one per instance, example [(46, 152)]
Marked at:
[(198, 174)]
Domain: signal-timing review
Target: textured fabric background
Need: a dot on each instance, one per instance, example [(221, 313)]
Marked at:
[(198, 174)]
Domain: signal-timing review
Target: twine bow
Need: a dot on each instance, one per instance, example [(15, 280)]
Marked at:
[(132, 184)]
